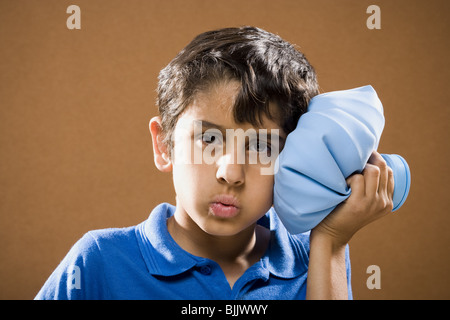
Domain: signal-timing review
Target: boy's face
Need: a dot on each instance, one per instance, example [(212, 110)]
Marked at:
[(220, 168)]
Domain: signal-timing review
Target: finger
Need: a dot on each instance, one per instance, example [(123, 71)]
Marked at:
[(371, 177), (357, 184), (377, 160), (390, 183)]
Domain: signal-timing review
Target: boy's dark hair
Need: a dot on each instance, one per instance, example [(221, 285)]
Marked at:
[(268, 68)]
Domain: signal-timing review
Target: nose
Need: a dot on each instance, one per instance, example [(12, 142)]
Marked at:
[(230, 172)]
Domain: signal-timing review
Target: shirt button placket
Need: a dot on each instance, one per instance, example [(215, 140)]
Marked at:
[(205, 270)]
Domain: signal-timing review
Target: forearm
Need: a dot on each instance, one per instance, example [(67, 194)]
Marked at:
[(327, 276), (370, 199)]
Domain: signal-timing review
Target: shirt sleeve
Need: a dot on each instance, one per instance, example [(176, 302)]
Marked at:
[(349, 273), (79, 276)]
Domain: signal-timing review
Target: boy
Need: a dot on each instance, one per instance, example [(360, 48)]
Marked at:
[(220, 100)]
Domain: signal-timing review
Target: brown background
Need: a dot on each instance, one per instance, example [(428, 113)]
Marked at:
[(74, 108)]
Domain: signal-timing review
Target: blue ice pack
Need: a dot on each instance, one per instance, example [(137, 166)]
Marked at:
[(333, 140)]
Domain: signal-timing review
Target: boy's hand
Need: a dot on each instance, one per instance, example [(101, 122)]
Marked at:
[(371, 198)]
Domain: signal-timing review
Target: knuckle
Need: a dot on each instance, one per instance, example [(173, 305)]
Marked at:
[(358, 178), (386, 204), (372, 170), (390, 205), (390, 171), (355, 179), (383, 203), (382, 164)]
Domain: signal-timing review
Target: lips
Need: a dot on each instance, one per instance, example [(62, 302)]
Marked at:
[(225, 206)]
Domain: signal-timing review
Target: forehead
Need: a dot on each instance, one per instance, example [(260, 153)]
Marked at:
[(215, 104)]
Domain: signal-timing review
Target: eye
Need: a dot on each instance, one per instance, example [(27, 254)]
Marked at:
[(212, 137), (259, 146)]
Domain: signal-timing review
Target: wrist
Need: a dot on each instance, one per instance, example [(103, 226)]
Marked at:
[(327, 274), (327, 241)]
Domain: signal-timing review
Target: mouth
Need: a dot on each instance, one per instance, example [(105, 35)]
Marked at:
[(225, 206)]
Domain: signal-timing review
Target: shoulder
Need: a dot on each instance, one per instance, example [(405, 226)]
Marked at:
[(301, 240), (299, 243), (81, 274), (104, 239), (96, 243)]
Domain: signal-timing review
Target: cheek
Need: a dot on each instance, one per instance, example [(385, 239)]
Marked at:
[(262, 190), (184, 172), (185, 178), (191, 180)]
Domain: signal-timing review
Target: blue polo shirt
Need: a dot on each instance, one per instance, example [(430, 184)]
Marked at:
[(144, 262)]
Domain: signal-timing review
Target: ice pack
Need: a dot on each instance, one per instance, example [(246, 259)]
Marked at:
[(332, 140)]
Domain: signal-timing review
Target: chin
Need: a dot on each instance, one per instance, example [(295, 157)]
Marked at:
[(224, 228)]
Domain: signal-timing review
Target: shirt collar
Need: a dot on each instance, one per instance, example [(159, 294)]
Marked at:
[(162, 255), (286, 256)]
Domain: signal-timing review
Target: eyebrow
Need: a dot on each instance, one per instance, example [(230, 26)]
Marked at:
[(208, 125)]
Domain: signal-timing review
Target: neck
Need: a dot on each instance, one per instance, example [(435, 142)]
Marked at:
[(245, 245)]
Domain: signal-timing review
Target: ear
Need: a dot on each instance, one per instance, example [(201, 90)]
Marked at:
[(160, 150)]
